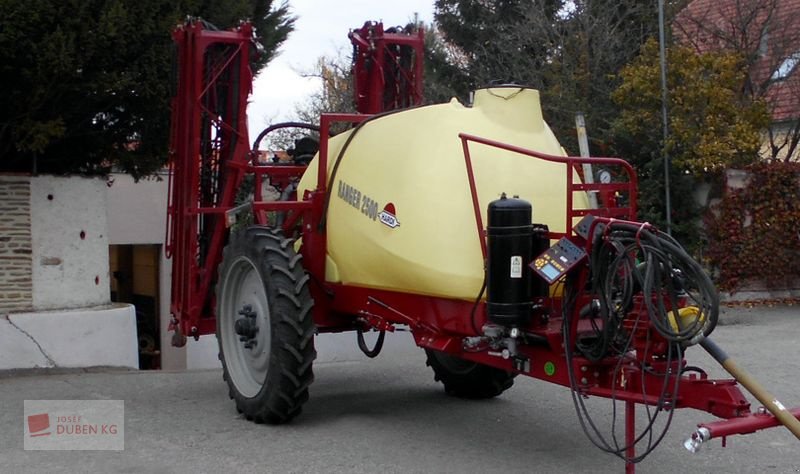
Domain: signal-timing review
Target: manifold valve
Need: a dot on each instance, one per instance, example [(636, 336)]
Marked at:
[(697, 439)]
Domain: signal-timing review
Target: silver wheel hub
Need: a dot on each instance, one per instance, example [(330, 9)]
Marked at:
[(244, 326)]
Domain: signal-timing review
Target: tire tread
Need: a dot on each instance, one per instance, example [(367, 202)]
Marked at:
[(477, 381), (290, 303)]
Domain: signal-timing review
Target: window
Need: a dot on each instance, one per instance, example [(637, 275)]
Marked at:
[(786, 67)]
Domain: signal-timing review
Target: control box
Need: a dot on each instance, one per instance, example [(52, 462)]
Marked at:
[(558, 260)]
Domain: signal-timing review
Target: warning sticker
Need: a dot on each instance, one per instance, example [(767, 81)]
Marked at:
[(516, 266)]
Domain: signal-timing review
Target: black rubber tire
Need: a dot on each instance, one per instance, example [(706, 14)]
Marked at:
[(465, 379), (291, 352)]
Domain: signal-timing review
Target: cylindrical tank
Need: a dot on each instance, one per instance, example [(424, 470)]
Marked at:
[(509, 237), (400, 215)]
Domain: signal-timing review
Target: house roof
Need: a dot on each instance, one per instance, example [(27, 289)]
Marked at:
[(766, 31)]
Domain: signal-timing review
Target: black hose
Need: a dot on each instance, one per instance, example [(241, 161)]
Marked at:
[(664, 275), (362, 344), (617, 277), (474, 311)]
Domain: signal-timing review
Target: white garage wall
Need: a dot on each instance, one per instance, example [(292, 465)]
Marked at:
[(69, 239)]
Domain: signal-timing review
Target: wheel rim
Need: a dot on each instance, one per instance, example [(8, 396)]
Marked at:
[(243, 297)]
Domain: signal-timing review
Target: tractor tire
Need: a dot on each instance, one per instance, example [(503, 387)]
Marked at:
[(465, 379), (265, 329)]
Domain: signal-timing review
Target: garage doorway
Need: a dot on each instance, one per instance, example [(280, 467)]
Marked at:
[(134, 280)]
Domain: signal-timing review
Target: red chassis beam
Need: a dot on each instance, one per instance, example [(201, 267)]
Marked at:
[(439, 324), (442, 324), (742, 425)]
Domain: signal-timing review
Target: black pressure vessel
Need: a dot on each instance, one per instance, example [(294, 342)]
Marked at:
[(509, 248)]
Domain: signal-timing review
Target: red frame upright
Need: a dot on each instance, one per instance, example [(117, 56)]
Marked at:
[(209, 148), (376, 54)]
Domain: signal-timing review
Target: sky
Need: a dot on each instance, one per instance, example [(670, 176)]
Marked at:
[(321, 29)]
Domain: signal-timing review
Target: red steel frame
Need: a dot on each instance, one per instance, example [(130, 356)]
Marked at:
[(377, 53), (209, 147), (436, 323)]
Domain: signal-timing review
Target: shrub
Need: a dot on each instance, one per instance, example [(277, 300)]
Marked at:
[(754, 232)]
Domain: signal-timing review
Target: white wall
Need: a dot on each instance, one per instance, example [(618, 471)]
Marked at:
[(172, 358), (69, 271), (137, 212), (87, 337)]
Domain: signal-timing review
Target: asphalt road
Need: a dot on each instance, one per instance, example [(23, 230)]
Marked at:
[(388, 415)]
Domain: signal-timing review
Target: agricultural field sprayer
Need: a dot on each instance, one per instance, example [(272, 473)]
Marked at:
[(465, 224)]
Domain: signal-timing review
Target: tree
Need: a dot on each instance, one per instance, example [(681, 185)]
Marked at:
[(336, 93), (86, 83), (570, 51), (592, 42), (764, 34), (336, 76), (443, 76), (494, 41), (711, 126)]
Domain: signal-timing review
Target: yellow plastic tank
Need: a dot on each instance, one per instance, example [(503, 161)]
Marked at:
[(400, 215)]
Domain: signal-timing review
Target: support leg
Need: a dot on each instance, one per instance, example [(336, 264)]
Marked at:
[(630, 436)]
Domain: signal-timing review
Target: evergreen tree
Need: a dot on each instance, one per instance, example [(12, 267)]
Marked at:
[(86, 83)]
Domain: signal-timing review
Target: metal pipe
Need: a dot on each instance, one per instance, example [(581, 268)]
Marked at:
[(583, 144), (663, 58), (630, 437), (769, 401), (743, 425)]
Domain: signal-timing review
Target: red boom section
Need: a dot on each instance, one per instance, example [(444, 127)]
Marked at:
[(387, 67), (209, 148)]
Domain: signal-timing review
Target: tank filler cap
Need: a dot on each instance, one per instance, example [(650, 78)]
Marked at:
[(513, 108)]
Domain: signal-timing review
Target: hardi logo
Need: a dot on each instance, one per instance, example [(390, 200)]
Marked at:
[(388, 216), (39, 425), (74, 425)]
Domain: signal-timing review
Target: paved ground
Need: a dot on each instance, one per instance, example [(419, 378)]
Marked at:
[(387, 415)]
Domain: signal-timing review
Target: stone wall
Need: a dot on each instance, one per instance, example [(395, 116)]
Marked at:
[(53, 243), (16, 284)]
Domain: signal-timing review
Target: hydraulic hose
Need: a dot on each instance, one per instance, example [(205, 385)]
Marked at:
[(751, 385), (362, 344)]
